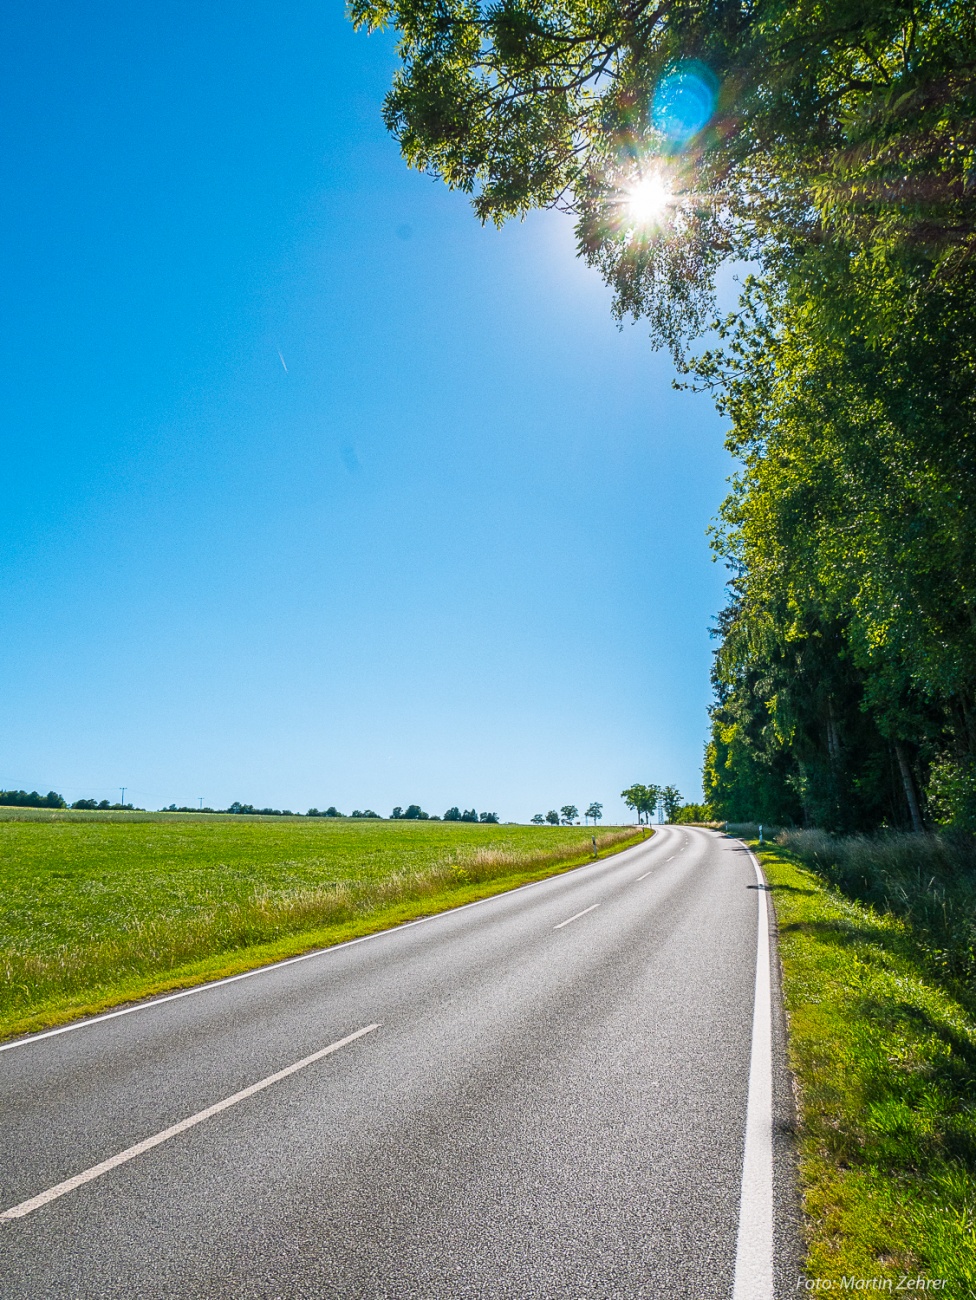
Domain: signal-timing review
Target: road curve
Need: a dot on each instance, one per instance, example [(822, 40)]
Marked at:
[(540, 1095)]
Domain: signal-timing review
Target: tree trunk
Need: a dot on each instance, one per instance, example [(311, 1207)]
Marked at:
[(833, 736), (909, 786)]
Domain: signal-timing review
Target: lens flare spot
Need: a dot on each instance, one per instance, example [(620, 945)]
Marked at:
[(684, 102)]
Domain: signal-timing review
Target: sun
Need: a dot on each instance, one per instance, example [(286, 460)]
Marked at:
[(648, 199)]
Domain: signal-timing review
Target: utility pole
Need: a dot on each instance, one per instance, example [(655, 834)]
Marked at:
[(201, 802), (122, 788)]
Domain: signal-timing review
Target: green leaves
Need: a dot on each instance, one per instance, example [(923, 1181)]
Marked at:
[(834, 121), (852, 393)]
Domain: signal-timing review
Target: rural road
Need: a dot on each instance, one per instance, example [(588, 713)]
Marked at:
[(548, 1099)]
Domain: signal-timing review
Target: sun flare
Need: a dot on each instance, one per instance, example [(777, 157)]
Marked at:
[(648, 199)]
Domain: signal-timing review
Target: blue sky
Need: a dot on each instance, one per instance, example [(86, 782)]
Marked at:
[(315, 490)]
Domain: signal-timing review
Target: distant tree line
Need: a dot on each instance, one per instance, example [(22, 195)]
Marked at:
[(332, 811), (31, 799), (248, 809), (413, 812), (103, 805), (23, 799), (568, 815), (469, 815)]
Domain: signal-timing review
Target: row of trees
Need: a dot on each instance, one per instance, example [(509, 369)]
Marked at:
[(568, 815), (414, 812), (846, 678), (31, 799), (646, 799), (832, 147), (332, 811)]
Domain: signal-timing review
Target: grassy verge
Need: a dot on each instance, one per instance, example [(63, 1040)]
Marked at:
[(884, 1052), (97, 912)]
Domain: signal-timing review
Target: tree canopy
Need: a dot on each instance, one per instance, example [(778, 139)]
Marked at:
[(643, 799), (762, 126)]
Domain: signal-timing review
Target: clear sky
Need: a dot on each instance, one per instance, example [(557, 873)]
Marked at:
[(314, 490)]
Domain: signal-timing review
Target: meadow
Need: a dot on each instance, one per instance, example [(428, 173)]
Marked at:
[(97, 908)]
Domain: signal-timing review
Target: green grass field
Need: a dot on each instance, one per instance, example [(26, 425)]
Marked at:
[(884, 1053), (97, 908)]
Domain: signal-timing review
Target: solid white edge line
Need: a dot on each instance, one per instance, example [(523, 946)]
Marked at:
[(148, 1004), (754, 1247), (592, 908), (96, 1171)]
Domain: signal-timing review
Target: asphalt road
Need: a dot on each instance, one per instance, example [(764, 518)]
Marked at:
[(552, 1103)]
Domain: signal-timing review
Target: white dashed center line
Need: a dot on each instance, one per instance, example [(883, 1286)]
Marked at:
[(113, 1162), (570, 919)]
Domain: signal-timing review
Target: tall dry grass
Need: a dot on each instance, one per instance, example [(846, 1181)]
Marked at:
[(928, 881)]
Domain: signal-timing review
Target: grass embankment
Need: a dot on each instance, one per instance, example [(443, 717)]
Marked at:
[(883, 1046), (98, 909)]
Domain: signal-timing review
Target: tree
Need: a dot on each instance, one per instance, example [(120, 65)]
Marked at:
[(538, 819), (649, 801), (453, 814), (414, 812), (595, 811), (643, 799), (633, 797), (552, 817), (469, 815), (672, 802), (489, 817), (847, 668), (569, 813)]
